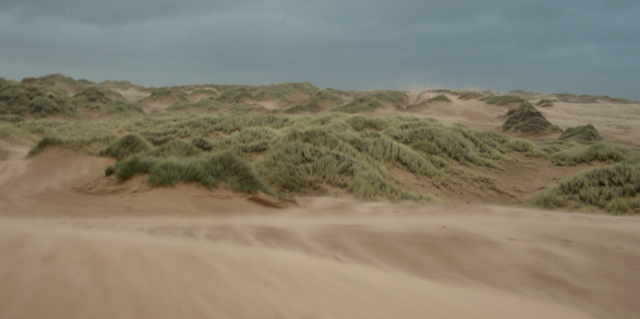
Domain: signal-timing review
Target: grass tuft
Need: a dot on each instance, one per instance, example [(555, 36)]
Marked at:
[(176, 148), (471, 95), (504, 100), (613, 188), (47, 140), (125, 146), (371, 100), (124, 109), (94, 94), (11, 118), (440, 97), (209, 171), (585, 133), (545, 103), (603, 151), (321, 100), (527, 119)]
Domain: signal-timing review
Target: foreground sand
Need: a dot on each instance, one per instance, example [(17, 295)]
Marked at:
[(66, 252)]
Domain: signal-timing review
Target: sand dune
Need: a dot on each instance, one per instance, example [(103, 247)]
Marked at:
[(146, 269), (74, 244), (187, 252)]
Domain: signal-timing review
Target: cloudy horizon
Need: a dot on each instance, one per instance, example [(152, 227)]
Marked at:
[(579, 47)]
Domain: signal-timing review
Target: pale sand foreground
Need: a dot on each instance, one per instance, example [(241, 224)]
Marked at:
[(189, 253)]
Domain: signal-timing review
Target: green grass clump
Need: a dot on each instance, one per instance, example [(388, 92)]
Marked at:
[(603, 151), (527, 119), (305, 87), (357, 122), (134, 165), (178, 106), (440, 97), (302, 167), (29, 80), (319, 101), (242, 108), (504, 100), (14, 98), (230, 124), (124, 109), (250, 140), (94, 94), (204, 91), (525, 95), (4, 154), (526, 146), (241, 97), (233, 93), (177, 148), (583, 144), (207, 104), (282, 91), (456, 143), (166, 92), (11, 118), (202, 144), (585, 133), (371, 100), (572, 98), (52, 79), (270, 96), (613, 188), (545, 103), (118, 84), (620, 101), (46, 141), (45, 106), (373, 146), (361, 104), (470, 95), (209, 171), (126, 146)]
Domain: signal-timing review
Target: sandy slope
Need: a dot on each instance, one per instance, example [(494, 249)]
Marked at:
[(187, 252)]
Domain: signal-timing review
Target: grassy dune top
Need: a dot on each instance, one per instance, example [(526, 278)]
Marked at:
[(366, 158), (527, 119), (312, 141), (64, 97)]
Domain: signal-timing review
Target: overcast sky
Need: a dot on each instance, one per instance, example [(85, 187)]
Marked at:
[(576, 46)]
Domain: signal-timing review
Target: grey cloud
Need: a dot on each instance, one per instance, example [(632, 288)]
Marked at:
[(579, 46), (115, 11)]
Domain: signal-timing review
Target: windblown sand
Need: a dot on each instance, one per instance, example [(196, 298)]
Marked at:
[(71, 249)]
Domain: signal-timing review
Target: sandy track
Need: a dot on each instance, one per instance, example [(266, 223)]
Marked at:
[(187, 252)]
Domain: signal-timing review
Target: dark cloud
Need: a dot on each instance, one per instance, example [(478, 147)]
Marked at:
[(571, 46)]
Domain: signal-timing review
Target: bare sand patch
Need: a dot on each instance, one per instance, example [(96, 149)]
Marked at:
[(132, 95)]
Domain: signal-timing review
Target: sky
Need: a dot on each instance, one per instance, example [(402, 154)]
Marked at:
[(548, 46)]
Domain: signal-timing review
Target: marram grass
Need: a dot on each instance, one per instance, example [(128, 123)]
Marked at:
[(319, 155), (612, 188)]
